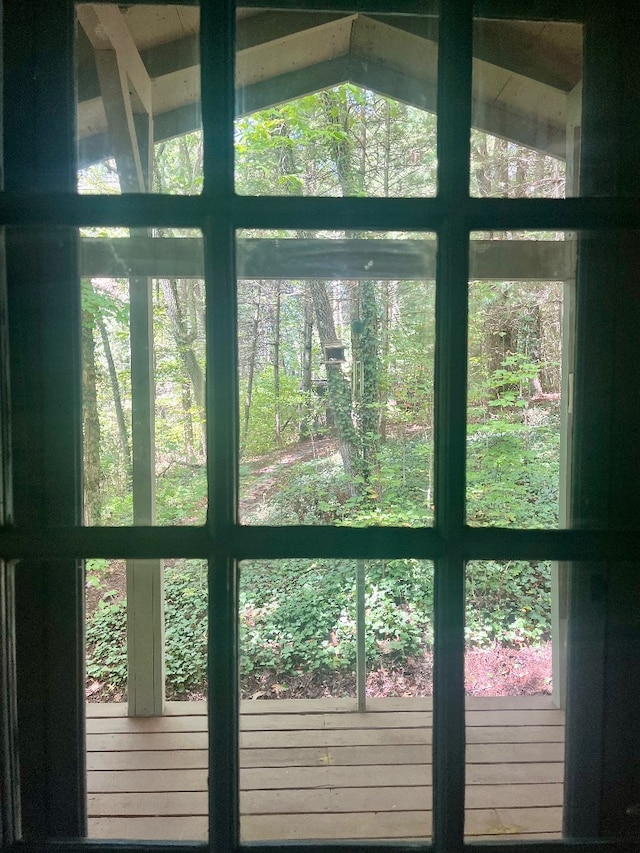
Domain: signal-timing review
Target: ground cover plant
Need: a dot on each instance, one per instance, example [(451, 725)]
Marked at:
[(298, 629), (336, 387)]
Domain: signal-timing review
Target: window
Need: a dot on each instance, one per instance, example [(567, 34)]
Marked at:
[(56, 232)]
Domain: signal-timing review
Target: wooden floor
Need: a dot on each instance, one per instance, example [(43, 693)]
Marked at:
[(317, 769)]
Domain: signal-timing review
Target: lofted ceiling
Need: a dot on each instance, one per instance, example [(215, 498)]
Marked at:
[(523, 71)]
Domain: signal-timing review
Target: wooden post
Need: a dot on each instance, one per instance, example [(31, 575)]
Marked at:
[(119, 66), (145, 578), (145, 595), (361, 653)]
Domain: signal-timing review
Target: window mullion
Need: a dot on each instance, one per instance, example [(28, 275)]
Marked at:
[(454, 120), (217, 51)]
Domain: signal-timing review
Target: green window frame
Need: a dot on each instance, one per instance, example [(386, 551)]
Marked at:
[(42, 542)]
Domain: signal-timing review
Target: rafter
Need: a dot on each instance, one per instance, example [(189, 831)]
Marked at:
[(120, 69)]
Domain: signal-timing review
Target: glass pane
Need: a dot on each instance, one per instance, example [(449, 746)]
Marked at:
[(520, 299), (335, 104), (146, 634), (513, 675), (336, 334), (527, 90), (336, 680), (138, 110), (143, 350)]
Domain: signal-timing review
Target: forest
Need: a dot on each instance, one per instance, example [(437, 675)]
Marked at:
[(336, 341)]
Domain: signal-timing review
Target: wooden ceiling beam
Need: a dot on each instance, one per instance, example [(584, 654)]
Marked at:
[(378, 58), (119, 66), (107, 30), (120, 121)]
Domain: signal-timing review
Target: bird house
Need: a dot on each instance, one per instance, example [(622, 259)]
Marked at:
[(334, 352)]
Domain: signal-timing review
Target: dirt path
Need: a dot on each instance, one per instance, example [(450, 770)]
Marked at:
[(265, 471), (260, 483)]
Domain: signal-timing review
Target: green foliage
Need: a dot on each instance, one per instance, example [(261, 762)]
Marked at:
[(181, 495), (186, 629), (94, 571), (508, 603), (312, 146), (185, 590), (317, 492), (310, 493), (106, 638), (509, 381), (261, 436), (178, 165), (513, 454), (513, 474), (299, 617), (97, 302)]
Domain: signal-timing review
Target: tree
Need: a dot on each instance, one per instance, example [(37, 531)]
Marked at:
[(342, 141), (91, 422), (180, 301)]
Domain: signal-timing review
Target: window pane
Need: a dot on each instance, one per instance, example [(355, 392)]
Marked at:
[(146, 633), (143, 350), (527, 90), (335, 104), (520, 300), (515, 729), (336, 334), (138, 111), (336, 680)]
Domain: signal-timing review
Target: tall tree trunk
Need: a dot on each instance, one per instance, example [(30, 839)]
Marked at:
[(384, 356), (185, 338), (387, 148), (483, 168), (338, 387), (365, 341), (123, 434), (306, 414), (187, 420), (255, 326), (370, 352), (276, 367), (91, 423)]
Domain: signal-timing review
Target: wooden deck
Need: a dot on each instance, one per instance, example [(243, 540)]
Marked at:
[(317, 769)]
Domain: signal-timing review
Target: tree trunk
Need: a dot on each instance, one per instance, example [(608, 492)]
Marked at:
[(483, 168), (306, 414), (338, 388), (91, 423), (370, 351), (365, 333), (189, 441), (123, 435), (384, 357), (276, 368), (255, 326), (184, 338), (387, 148)]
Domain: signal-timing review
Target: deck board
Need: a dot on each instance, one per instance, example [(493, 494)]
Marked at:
[(318, 769)]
